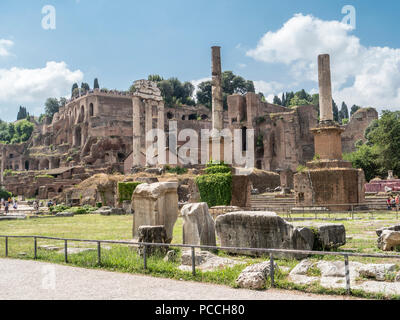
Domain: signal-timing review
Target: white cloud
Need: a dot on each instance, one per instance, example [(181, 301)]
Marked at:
[(196, 85), (5, 45), (31, 87), (368, 76), (269, 89)]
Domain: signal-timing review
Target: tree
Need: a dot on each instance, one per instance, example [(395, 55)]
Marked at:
[(335, 111), (354, 109), (203, 94), (277, 101), (73, 89), (96, 84), (343, 113), (231, 84), (380, 153), (22, 114), (155, 78), (85, 87), (51, 107)]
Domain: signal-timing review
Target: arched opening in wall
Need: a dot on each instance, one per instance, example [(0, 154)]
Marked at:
[(36, 192), (193, 116), (78, 136), (82, 114), (121, 157), (169, 115), (244, 139), (60, 189), (44, 164), (56, 163), (91, 111), (11, 156), (183, 117), (27, 165)]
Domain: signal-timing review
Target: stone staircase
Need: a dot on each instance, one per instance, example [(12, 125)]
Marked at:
[(277, 203)]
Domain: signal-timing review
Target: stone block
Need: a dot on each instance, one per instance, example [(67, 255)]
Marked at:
[(198, 225), (152, 234), (330, 236), (253, 230), (389, 240), (155, 204)]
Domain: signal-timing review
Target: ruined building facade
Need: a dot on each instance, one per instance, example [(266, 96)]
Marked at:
[(96, 132)]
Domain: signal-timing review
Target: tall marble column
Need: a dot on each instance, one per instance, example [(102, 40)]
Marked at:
[(136, 132), (217, 101), (325, 88)]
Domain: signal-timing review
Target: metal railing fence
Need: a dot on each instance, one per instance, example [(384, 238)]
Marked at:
[(271, 252)]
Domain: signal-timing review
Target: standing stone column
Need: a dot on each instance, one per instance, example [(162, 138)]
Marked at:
[(148, 125), (217, 101), (136, 132), (3, 159), (325, 88)]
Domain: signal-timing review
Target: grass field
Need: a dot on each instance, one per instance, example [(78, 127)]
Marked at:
[(361, 238)]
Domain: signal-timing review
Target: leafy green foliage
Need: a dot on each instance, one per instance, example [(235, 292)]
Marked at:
[(216, 185), (231, 84), (381, 151), (125, 190), (17, 132), (177, 170), (217, 169), (22, 113), (4, 194), (96, 84)]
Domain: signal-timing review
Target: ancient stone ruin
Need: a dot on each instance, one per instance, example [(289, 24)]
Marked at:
[(155, 204), (328, 180)]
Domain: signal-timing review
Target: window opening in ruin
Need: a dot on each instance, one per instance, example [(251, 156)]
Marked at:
[(204, 117), (301, 196), (244, 139), (183, 117), (91, 111), (27, 165), (11, 156), (170, 115), (193, 116)]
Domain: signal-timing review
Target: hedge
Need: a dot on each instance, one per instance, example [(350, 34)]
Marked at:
[(215, 189), (217, 169), (125, 190)]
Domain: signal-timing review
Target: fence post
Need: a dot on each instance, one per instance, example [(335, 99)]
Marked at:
[(347, 273), (271, 270), (35, 248), (99, 252), (144, 257), (193, 261), (66, 251), (6, 245)]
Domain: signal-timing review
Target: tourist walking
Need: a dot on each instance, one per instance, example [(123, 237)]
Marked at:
[(6, 203)]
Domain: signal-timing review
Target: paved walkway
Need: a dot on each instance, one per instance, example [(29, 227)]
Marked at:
[(21, 279)]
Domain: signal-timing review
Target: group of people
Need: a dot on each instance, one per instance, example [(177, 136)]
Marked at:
[(7, 203), (393, 202)]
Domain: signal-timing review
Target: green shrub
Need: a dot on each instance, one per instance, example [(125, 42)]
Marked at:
[(99, 204), (176, 170), (218, 169), (4, 194), (59, 208), (301, 168), (44, 176), (125, 190), (215, 189)]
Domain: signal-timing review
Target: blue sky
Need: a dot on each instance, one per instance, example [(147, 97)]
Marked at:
[(122, 41)]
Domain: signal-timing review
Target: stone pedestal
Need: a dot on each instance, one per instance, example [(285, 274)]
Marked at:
[(154, 205), (328, 141)]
